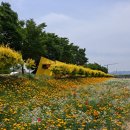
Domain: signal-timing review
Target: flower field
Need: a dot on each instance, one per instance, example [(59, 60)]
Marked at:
[(64, 104)]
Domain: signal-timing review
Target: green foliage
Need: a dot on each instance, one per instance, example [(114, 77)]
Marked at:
[(32, 46), (59, 48), (96, 66), (10, 27), (74, 72), (81, 71)]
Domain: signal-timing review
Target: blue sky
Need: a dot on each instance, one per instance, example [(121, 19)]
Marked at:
[(100, 26)]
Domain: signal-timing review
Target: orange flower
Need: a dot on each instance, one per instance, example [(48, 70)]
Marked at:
[(95, 113)]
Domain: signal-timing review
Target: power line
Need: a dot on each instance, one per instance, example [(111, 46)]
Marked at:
[(107, 65)]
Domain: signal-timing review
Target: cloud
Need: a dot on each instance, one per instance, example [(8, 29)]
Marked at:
[(54, 18), (106, 38), (111, 27), (61, 24)]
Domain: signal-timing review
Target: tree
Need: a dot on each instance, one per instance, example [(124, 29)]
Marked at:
[(59, 48), (78, 55), (32, 47), (9, 27), (52, 46), (9, 58), (96, 66)]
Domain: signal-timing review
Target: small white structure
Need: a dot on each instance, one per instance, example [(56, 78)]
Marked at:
[(14, 73), (26, 70), (17, 70)]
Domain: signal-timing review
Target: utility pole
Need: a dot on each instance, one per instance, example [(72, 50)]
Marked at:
[(107, 65)]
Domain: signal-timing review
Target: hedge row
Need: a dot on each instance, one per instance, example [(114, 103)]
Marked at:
[(68, 70)]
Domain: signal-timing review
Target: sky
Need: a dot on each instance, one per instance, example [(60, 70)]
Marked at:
[(100, 26)]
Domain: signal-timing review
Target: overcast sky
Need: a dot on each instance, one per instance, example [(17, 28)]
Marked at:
[(100, 26)]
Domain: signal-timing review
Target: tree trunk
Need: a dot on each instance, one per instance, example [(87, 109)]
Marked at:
[(22, 69)]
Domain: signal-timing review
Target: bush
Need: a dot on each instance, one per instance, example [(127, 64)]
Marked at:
[(9, 58), (68, 70)]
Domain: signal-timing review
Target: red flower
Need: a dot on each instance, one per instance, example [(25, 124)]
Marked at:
[(39, 119), (86, 103)]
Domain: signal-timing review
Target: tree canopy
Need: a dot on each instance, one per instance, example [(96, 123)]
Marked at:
[(10, 27), (32, 41), (59, 48), (96, 66)]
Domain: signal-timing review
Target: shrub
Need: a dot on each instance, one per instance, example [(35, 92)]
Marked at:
[(9, 58)]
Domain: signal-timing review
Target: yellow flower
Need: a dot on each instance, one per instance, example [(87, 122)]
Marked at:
[(104, 129), (6, 119), (59, 125)]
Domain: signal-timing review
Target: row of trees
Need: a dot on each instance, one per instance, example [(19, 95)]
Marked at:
[(34, 42), (96, 66)]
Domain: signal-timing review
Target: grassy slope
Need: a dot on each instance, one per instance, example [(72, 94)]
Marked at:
[(60, 104)]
